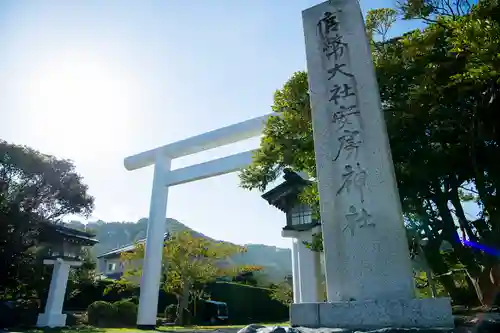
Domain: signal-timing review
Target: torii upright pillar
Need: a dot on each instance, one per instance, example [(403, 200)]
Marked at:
[(164, 177)]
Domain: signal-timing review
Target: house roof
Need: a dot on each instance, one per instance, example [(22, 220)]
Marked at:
[(123, 249), (285, 194)]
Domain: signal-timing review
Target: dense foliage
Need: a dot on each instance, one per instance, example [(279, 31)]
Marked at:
[(34, 188), (282, 293), (112, 292), (126, 312), (440, 95), (190, 263), (101, 314), (170, 313)]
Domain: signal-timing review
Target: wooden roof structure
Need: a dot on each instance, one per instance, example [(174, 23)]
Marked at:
[(285, 195), (57, 232)]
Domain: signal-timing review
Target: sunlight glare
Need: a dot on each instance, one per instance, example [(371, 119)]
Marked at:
[(81, 103)]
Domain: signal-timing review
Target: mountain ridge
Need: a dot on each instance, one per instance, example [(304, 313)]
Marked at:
[(276, 262)]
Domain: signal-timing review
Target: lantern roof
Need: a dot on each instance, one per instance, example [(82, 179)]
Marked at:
[(284, 196), (57, 232)]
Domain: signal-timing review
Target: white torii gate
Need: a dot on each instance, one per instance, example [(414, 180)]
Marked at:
[(164, 177)]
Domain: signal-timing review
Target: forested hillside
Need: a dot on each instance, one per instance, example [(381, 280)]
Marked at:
[(276, 261)]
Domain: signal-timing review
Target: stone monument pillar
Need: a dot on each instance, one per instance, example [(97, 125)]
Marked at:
[(367, 264), (53, 316)]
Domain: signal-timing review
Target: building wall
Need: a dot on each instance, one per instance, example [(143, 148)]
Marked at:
[(114, 266), (110, 265), (101, 266)]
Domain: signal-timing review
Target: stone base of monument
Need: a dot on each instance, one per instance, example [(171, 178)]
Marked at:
[(372, 315)]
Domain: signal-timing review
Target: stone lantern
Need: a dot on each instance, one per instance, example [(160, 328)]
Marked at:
[(62, 248), (301, 225)]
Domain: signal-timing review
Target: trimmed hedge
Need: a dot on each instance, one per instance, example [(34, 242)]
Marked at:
[(88, 293), (126, 312), (105, 314), (170, 313), (101, 314), (245, 303)]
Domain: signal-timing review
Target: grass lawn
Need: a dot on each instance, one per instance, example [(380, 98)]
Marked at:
[(89, 329), (209, 328)]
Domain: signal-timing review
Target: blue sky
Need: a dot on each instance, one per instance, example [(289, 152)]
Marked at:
[(96, 81)]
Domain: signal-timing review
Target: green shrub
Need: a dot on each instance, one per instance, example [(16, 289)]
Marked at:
[(126, 312), (110, 291), (134, 299), (101, 314), (20, 313), (269, 310), (171, 313)]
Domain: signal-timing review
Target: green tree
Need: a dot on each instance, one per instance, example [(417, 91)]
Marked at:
[(189, 263), (34, 188), (86, 272), (444, 103), (82, 276), (282, 293), (439, 91), (429, 10), (379, 22)]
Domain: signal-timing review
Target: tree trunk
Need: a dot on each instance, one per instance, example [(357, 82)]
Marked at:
[(439, 267), (430, 280), (489, 284), (182, 305), (489, 202), (484, 276), (464, 254), (462, 220), (178, 314)]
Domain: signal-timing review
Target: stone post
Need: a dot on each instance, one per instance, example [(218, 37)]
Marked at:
[(308, 271), (151, 267), (367, 264), (53, 316), (319, 276), (295, 271)]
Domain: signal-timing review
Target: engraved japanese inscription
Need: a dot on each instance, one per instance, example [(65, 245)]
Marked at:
[(346, 121), (350, 141), (357, 218), (338, 68), (353, 177), (341, 92), (328, 27), (342, 116)]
